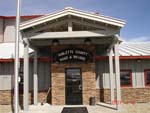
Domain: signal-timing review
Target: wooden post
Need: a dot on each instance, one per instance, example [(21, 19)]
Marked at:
[(70, 26), (26, 76), (111, 75), (35, 80), (117, 70)]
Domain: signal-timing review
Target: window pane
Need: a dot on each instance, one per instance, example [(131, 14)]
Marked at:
[(125, 78), (147, 77)]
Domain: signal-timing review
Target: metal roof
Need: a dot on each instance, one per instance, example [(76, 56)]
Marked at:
[(7, 50), (125, 49), (22, 16), (134, 49)]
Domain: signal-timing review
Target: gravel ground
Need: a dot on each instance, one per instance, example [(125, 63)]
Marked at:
[(124, 108)]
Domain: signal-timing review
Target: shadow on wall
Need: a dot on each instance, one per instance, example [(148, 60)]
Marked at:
[(44, 83), (102, 74)]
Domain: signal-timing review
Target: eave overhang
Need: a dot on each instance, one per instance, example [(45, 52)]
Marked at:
[(72, 12)]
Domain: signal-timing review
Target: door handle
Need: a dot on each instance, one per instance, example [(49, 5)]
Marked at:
[(80, 87)]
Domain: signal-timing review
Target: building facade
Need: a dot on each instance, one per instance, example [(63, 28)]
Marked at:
[(76, 55)]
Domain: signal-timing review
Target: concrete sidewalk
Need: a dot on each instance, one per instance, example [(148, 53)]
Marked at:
[(124, 108), (46, 108)]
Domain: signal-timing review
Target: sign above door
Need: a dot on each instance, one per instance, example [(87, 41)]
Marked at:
[(72, 55)]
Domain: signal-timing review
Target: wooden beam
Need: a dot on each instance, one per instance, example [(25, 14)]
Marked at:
[(114, 41), (35, 80), (47, 26), (89, 24), (74, 34), (101, 40), (117, 71), (70, 27), (111, 75), (26, 76)]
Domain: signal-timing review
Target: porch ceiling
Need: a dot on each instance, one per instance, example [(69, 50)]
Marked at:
[(72, 41), (74, 34)]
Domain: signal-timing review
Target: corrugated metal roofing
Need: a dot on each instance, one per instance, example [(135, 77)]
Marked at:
[(125, 49), (7, 50), (134, 49)]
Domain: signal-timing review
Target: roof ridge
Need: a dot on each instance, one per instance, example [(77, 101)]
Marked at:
[(72, 11)]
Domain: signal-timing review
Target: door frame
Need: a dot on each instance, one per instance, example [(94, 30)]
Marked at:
[(80, 79)]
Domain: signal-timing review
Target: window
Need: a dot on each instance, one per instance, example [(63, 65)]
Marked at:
[(126, 78), (147, 77)]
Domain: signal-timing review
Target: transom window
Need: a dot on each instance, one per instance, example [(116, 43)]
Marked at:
[(126, 78), (147, 77)]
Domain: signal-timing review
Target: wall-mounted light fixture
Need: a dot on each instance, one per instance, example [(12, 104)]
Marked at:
[(55, 42), (87, 41), (138, 60)]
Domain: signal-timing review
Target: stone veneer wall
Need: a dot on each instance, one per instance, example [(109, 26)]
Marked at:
[(6, 97), (138, 95), (128, 95), (58, 76), (58, 82)]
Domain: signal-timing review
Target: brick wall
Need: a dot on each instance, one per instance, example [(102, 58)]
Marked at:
[(6, 97), (128, 95), (139, 95)]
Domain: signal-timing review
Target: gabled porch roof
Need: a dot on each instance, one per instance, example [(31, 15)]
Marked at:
[(72, 12), (71, 24)]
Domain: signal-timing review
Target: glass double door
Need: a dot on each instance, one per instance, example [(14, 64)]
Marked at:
[(73, 86)]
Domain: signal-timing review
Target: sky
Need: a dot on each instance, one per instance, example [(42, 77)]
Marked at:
[(136, 13)]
